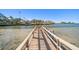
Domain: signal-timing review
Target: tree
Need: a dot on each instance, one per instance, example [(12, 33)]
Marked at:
[(63, 22)]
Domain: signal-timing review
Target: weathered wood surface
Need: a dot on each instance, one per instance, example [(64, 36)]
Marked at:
[(34, 42), (62, 43), (23, 45), (37, 42), (42, 39)]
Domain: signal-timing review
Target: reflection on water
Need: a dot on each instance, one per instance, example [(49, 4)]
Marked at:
[(12, 36)]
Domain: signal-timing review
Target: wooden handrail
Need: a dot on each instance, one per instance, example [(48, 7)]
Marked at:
[(21, 46), (67, 44)]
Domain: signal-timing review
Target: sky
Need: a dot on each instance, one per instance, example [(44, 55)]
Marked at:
[(56, 15)]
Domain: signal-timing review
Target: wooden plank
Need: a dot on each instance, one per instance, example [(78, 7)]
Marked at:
[(23, 44), (49, 43), (42, 42), (57, 47), (71, 46), (34, 42)]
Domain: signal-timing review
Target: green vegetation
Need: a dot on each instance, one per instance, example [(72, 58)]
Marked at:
[(66, 22), (18, 21), (41, 22)]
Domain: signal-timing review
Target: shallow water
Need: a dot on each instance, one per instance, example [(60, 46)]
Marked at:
[(68, 32), (12, 36)]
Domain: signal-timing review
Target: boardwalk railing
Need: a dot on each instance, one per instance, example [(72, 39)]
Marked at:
[(24, 44), (60, 43)]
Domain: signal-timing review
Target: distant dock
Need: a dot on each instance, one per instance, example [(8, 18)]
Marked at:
[(41, 38)]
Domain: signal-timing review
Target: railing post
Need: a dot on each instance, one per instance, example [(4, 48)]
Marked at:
[(62, 43), (25, 43), (59, 44), (33, 34)]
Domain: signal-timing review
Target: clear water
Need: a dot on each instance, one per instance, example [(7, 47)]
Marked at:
[(12, 36), (68, 32)]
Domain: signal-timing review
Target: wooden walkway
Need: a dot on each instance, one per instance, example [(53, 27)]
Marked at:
[(37, 42), (34, 42), (42, 39)]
